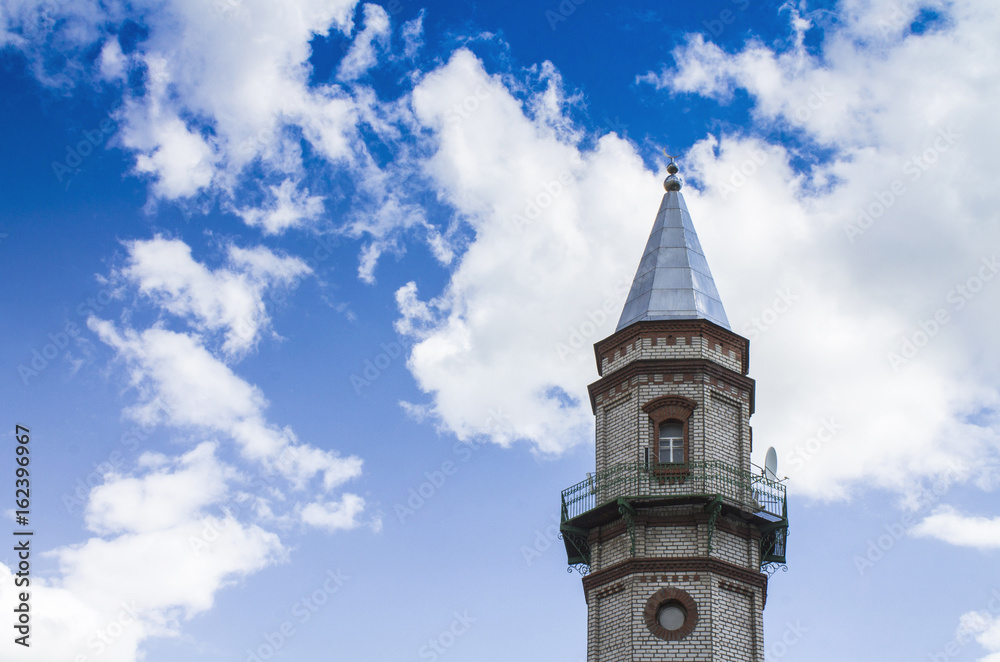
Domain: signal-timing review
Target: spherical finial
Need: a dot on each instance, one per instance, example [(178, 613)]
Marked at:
[(671, 183)]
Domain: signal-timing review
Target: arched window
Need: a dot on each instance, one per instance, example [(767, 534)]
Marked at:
[(671, 442), (670, 421)]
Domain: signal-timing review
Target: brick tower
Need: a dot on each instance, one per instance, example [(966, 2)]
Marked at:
[(674, 529)]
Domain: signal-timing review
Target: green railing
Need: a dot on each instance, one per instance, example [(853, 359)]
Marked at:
[(640, 480)]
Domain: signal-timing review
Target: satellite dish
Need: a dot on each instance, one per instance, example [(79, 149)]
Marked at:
[(771, 464)]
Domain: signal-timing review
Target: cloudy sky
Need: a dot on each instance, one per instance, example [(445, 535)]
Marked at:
[(300, 299)]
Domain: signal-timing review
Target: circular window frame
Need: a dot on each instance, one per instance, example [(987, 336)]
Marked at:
[(662, 598)]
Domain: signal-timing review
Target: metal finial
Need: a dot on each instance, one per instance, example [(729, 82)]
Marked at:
[(671, 183)]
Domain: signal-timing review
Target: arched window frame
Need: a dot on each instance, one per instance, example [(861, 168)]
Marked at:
[(669, 408)]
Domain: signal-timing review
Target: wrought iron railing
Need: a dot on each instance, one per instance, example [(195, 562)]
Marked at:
[(640, 480)]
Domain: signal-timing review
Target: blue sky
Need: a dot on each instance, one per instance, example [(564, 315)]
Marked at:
[(300, 299)]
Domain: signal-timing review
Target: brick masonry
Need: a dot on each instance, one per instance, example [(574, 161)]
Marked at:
[(706, 366)]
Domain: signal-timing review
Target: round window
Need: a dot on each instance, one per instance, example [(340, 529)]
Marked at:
[(671, 616)]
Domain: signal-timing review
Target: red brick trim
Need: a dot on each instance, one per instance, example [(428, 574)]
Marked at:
[(611, 590), (724, 377), (662, 598), (673, 403), (635, 332), (603, 534), (674, 565)]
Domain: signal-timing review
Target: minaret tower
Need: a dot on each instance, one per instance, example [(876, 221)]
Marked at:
[(674, 530)]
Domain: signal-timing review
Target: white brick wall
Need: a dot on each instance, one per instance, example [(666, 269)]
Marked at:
[(680, 347), (730, 626), (723, 633)]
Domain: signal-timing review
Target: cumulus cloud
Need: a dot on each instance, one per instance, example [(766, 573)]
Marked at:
[(334, 515), (175, 492), (229, 299), (550, 253), (198, 67), (880, 341), (363, 54), (984, 626), (865, 364), (413, 35), (181, 384), (288, 208), (948, 525), (103, 601), (225, 87)]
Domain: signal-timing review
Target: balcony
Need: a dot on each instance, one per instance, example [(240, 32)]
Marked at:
[(601, 498)]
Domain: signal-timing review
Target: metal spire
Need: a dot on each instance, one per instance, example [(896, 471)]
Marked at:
[(673, 281)]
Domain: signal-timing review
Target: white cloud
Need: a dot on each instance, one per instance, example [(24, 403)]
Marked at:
[(229, 299), (164, 498), (549, 248), (334, 515), (221, 83), (948, 525), (181, 160), (289, 208), (182, 384), (30, 26), (902, 189), (200, 65), (177, 514), (540, 261), (363, 54), (413, 35), (984, 626), (104, 601), (228, 112), (112, 61)]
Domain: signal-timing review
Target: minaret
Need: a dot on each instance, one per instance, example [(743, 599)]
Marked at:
[(674, 529)]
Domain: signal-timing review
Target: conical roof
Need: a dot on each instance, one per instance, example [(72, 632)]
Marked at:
[(673, 281)]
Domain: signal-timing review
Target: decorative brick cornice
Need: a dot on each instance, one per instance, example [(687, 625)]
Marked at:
[(672, 566), (600, 534), (626, 373), (638, 330)]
